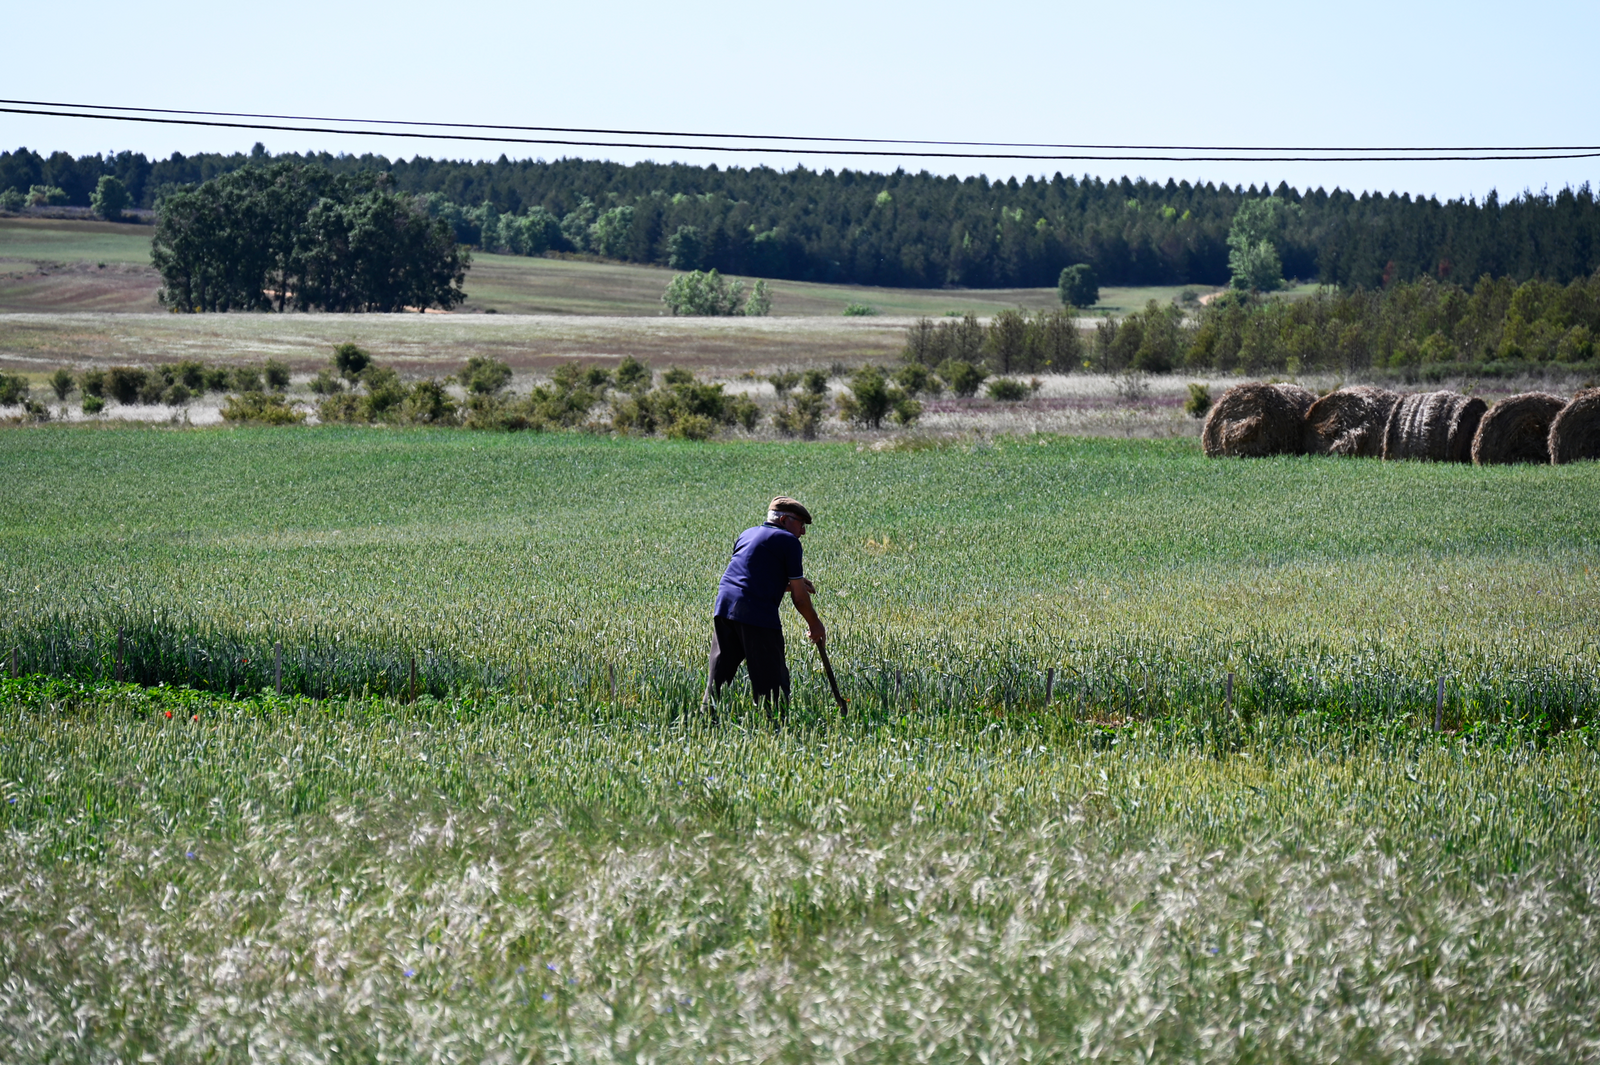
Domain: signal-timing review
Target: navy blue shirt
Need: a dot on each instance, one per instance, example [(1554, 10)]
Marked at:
[(765, 560)]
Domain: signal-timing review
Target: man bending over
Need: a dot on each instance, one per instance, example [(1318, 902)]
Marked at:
[(766, 563)]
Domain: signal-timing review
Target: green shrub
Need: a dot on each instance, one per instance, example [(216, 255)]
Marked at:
[(192, 373), (62, 383), (710, 295), (691, 427), (1078, 286), (12, 201), (176, 395), (484, 376), (1198, 403), (906, 412), (92, 382), (154, 387), (217, 378), (93, 404), (742, 410), (1007, 390), (125, 383), (325, 384), (109, 198), (859, 310), (632, 375), (962, 377), (46, 196), (13, 389), (429, 404), (384, 392), (867, 401), (783, 382), (915, 379), (246, 379), (260, 408), (350, 361), (815, 382), (277, 375), (801, 416)]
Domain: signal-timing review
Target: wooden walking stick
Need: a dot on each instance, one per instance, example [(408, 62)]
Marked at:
[(833, 684)]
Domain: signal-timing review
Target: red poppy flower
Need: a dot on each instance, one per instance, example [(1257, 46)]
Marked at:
[(169, 713)]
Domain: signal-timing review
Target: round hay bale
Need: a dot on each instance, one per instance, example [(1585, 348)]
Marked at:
[(1432, 427), (1575, 432), (1255, 420), (1517, 429), (1349, 422)]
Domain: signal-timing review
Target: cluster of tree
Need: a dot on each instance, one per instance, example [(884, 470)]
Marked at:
[(710, 295), (918, 230), (963, 351), (297, 236), (1424, 328)]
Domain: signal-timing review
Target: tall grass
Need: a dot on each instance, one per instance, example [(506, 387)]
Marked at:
[(499, 880), (486, 820)]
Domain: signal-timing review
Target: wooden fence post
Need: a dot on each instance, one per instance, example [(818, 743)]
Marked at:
[(1049, 684), (118, 674), (413, 693), (277, 667), (1228, 686), (611, 670), (1438, 707)]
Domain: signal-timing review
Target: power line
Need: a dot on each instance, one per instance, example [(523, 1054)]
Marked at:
[(796, 137), (1531, 154)]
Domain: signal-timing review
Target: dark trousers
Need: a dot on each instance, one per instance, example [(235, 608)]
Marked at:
[(761, 649)]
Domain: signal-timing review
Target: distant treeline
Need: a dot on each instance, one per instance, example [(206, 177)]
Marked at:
[(918, 230)]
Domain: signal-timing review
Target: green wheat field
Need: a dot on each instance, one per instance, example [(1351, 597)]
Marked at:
[(486, 820)]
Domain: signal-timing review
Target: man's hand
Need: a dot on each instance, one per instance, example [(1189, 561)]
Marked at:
[(818, 634)]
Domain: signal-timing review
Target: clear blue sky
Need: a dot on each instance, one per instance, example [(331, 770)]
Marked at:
[(1363, 73)]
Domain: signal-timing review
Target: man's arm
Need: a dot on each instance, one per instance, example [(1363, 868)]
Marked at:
[(800, 591)]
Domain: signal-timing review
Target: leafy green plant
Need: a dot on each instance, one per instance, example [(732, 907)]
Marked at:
[(125, 383), (1007, 389), (351, 361), (13, 389), (1198, 402), (709, 294), (261, 408), (1078, 286), (246, 379), (92, 382), (110, 198), (62, 383), (963, 378), (484, 376), (276, 374), (859, 310), (93, 404)]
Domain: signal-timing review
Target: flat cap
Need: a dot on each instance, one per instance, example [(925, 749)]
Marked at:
[(785, 505)]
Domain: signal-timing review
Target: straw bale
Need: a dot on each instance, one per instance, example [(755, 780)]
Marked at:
[(1254, 420), (1517, 429), (1349, 422), (1432, 427), (1575, 432)]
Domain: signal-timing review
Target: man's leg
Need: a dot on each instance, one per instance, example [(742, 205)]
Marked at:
[(727, 651), (769, 672)]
